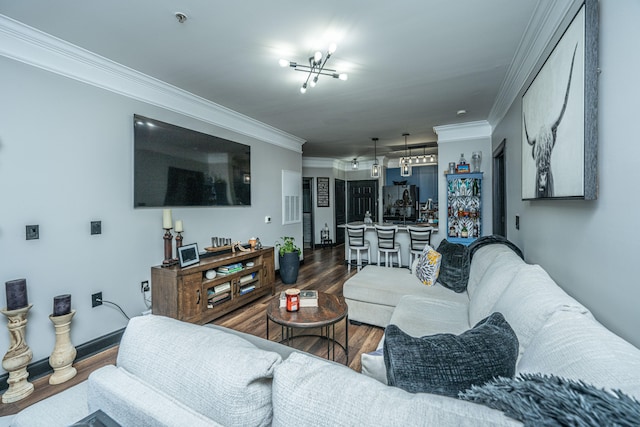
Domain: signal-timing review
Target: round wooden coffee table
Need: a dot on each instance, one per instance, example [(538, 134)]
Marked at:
[(330, 310)]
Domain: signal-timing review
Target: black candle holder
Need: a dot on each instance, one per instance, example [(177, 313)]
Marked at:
[(169, 260)]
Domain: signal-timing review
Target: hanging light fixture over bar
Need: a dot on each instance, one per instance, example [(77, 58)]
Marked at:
[(316, 68), (354, 164), (405, 166), (375, 168)]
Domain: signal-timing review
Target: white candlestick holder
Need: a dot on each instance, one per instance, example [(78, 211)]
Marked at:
[(64, 353), (18, 356)]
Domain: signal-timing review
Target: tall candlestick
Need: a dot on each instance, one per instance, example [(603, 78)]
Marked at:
[(179, 228), (64, 352), (62, 305), (16, 294), (18, 356), (167, 221)]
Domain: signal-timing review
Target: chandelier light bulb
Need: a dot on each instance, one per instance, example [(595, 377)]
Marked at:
[(332, 48), (317, 56), (283, 63), (343, 76), (303, 89)]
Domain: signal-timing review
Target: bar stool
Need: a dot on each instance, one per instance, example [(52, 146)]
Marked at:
[(387, 244), (420, 237), (357, 242)]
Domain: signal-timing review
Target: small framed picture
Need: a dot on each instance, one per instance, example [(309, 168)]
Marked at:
[(188, 255), (463, 168)]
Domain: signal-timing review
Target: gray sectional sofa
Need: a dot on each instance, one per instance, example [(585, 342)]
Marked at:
[(557, 335), (170, 373)]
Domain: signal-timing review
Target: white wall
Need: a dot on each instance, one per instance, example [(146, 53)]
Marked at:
[(66, 158), (590, 248)]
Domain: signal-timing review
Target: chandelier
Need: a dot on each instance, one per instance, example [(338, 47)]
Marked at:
[(355, 164), (316, 68)]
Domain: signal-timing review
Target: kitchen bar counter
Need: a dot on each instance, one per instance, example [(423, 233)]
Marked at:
[(402, 237)]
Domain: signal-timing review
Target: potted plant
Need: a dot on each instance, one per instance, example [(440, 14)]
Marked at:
[(289, 259)]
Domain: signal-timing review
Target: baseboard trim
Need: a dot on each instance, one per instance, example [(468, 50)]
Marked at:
[(40, 368)]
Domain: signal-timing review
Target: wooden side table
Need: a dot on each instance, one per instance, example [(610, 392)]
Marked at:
[(330, 311)]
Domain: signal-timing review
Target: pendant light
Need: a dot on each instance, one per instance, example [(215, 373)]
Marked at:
[(405, 167), (375, 168)]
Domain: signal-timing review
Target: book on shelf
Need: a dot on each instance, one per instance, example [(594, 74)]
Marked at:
[(222, 287), (220, 298), (309, 300), (247, 278), (247, 289), (230, 269)]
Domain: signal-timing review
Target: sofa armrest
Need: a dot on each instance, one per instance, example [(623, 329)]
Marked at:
[(131, 402)]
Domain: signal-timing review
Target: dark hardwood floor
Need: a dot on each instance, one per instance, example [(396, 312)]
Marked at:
[(323, 270)]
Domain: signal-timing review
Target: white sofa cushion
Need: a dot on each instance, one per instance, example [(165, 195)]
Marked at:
[(495, 280), (218, 374), (386, 286), (530, 299), (576, 346), (312, 392), (481, 260)]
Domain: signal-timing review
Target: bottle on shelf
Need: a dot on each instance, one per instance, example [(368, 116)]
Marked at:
[(476, 189), (462, 160), (464, 232)]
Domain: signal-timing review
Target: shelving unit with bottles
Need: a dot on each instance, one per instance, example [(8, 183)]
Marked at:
[(464, 207)]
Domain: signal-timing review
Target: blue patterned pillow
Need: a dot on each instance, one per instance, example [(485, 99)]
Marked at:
[(428, 267), (448, 364)]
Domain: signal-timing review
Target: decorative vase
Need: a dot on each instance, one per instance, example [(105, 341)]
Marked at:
[(289, 267)]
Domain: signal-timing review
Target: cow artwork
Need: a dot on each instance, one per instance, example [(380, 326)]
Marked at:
[(544, 141)]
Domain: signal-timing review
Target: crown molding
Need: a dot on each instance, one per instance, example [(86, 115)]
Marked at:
[(540, 31), (463, 131), (322, 162), (38, 49)]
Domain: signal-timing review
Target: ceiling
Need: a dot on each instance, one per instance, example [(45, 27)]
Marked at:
[(411, 64)]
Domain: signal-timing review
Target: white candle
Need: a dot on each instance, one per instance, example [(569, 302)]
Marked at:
[(167, 222), (179, 228)]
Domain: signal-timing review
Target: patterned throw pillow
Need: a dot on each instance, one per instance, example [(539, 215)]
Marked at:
[(428, 267)]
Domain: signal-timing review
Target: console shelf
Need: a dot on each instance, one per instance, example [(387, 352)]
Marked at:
[(186, 294)]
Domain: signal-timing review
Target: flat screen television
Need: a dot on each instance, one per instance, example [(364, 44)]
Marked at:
[(174, 166)]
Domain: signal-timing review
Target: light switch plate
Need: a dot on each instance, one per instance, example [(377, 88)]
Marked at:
[(33, 232), (96, 227)]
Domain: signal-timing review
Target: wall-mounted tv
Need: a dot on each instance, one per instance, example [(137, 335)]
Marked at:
[(174, 166)]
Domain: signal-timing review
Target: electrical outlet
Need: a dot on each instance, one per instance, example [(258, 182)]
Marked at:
[(267, 219), (96, 299), (144, 286)]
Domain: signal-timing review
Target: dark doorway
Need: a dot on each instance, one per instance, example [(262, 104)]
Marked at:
[(340, 211), (363, 196), (307, 213), (499, 191)]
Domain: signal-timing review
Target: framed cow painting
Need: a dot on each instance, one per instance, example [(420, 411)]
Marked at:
[(559, 116)]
